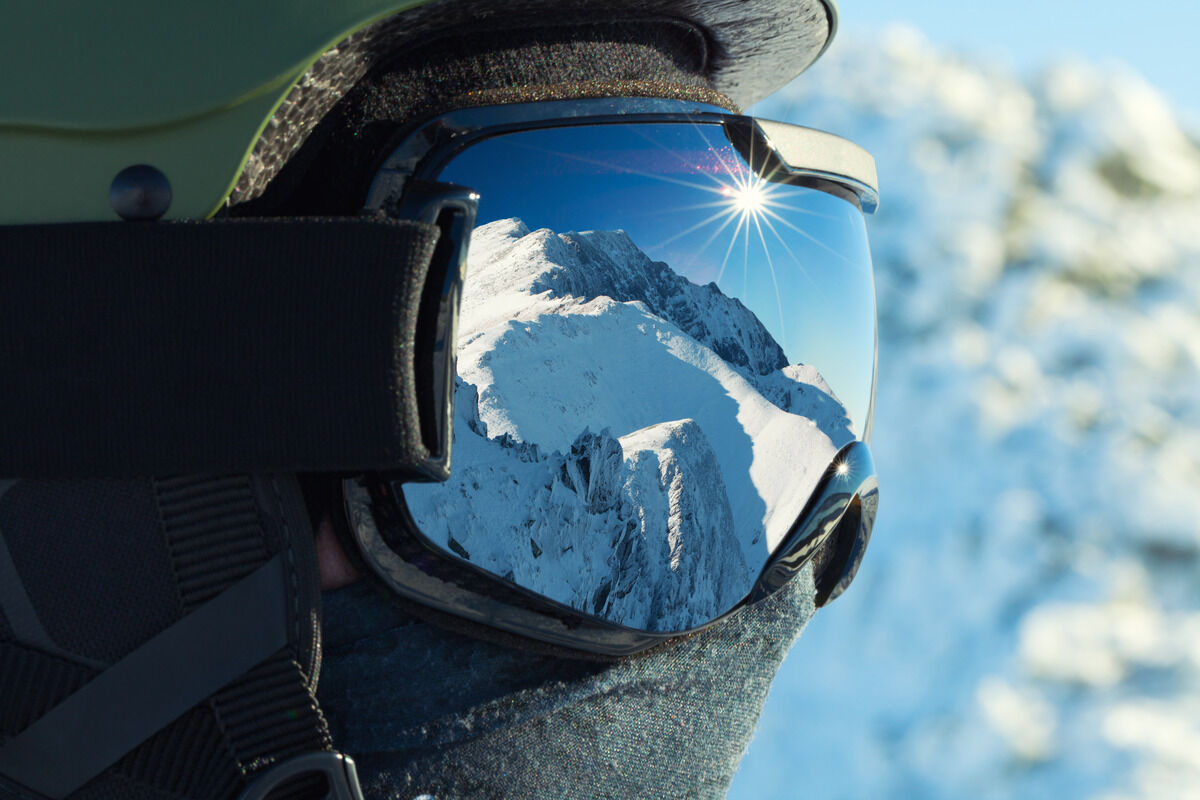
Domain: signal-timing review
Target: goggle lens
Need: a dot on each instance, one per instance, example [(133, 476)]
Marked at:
[(660, 354)]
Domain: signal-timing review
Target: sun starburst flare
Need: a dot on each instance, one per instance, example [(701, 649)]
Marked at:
[(744, 206), (748, 198)]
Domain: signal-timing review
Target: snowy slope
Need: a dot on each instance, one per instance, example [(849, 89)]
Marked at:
[(641, 436), (1027, 623)]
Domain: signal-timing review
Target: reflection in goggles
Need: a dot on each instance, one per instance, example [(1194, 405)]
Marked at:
[(630, 437)]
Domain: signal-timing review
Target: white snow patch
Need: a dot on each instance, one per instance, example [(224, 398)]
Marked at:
[(641, 437)]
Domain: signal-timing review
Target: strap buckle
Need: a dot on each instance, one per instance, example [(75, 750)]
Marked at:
[(339, 772)]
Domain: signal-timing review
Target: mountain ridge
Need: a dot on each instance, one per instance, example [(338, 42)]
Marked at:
[(657, 417)]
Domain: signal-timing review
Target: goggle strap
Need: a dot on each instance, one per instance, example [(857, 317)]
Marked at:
[(149, 348)]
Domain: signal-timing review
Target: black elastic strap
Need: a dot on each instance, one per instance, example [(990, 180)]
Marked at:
[(153, 685), (249, 345), (212, 526)]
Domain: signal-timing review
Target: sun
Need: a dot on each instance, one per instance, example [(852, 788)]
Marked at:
[(748, 198)]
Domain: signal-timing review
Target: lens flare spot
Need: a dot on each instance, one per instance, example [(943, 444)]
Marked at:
[(842, 469)]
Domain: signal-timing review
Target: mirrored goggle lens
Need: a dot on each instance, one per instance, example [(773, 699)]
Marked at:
[(660, 353)]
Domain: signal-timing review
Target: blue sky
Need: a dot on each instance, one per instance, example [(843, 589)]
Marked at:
[(1155, 37)]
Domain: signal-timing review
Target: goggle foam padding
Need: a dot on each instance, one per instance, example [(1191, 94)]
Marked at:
[(331, 172)]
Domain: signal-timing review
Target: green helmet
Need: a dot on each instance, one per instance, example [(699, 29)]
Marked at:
[(193, 88)]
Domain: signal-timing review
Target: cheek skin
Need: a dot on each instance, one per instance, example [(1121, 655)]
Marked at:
[(336, 570)]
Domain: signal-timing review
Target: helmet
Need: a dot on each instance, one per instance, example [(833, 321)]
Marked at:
[(209, 92)]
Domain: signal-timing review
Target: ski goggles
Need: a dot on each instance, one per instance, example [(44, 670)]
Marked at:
[(655, 357)]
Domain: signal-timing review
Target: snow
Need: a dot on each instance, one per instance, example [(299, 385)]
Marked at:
[(1026, 622), (625, 441)]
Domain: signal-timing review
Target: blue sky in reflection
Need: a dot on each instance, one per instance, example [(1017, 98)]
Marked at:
[(796, 257)]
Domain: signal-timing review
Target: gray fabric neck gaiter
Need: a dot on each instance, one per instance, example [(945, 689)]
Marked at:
[(427, 712)]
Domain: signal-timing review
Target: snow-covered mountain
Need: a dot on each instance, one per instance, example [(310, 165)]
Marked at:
[(1027, 620), (644, 438)]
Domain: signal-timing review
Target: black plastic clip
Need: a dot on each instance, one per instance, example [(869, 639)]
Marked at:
[(339, 772)]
